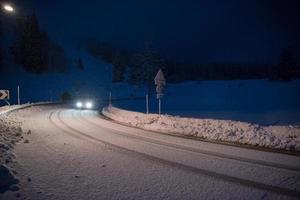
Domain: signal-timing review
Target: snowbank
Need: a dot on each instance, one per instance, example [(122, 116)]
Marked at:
[(10, 134), (279, 137), (5, 109), (7, 179)]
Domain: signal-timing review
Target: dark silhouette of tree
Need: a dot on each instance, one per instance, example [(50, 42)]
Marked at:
[(119, 67), (101, 50), (1, 59), (135, 71), (287, 65), (58, 61), (79, 64), (119, 59), (144, 68), (17, 46), (34, 50), (31, 48), (66, 97), (1, 50)]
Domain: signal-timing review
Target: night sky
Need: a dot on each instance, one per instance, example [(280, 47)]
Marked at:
[(252, 31)]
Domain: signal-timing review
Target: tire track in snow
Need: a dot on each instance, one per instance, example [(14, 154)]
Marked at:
[(190, 149), (232, 179), (58, 126)]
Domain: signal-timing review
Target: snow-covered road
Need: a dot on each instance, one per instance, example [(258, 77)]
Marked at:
[(75, 154)]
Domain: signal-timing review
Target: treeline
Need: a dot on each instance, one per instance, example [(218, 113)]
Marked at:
[(1, 44), (133, 67), (33, 50), (140, 67), (231, 71)]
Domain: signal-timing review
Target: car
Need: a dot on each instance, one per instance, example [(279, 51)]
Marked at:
[(84, 104)]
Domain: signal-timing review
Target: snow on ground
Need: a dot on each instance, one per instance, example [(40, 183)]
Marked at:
[(9, 108), (10, 134), (262, 102), (4, 109), (255, 101), (58, 163), (279, 137)]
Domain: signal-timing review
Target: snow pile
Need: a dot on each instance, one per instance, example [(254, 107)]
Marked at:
[(4, 109), (10, 134), (7, 179), (280, 137)]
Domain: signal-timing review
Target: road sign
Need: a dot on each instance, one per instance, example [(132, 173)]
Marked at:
[(160, 83), (160, 78), (4, 94)]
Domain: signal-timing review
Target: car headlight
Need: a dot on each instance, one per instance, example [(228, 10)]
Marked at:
[(79, 104), (89, 105)]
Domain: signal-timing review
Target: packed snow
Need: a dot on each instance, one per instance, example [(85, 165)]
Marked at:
[(10, 134), (279, 137), (4, 109), (57, 162), (275, 102)]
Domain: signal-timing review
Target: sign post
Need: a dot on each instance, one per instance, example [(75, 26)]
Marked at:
[(4, 95), (160, 83), (147, 103), (18, 95), (110, 98)]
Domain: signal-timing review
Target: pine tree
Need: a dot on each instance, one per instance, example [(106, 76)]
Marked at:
[(79, 64), (1, 58), (1, 50), (31, 48), (66, 97), (145, 67), (287, 65), (58, 61), (102, 50), (135, 70), (119, 67)]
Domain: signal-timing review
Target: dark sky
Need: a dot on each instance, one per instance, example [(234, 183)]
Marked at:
[(186, 30)]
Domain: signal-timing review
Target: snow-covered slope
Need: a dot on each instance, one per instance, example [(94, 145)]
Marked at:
[(93, 81), (4, 109), (66, 158), (256, 101)]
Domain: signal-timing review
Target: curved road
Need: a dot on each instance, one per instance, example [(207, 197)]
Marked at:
[(76, 154)]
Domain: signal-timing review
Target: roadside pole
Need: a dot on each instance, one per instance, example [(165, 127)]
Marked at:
[(19, 95), (159, 106), (147, 103), (109, 98), (50, 92)]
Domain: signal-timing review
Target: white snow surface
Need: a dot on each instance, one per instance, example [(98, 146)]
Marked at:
[(10, 134), (4, 109), (9, 108), (279, 137), (64, 159)]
